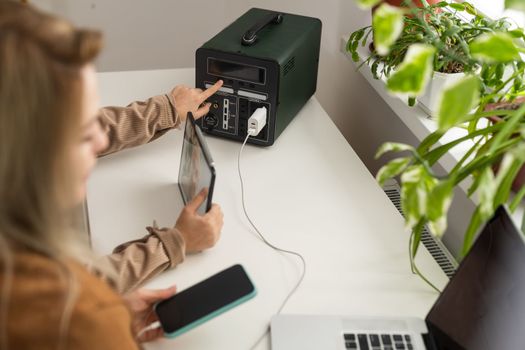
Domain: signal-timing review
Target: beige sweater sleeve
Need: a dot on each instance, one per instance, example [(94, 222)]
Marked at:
[(137, 261), (138, 123)]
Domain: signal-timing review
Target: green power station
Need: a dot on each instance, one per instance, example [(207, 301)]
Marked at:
[(266, 59)]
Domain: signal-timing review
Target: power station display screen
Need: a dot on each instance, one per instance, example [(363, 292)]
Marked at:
[(236, 71)]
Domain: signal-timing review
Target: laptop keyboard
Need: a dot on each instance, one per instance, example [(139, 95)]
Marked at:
[(360, 341)]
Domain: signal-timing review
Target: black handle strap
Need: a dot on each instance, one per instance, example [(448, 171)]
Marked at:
[(250, 37)]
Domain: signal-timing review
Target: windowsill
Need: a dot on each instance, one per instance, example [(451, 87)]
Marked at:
[(417, 121), (420, 124)]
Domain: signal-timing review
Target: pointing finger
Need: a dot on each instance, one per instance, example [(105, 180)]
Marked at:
[(211, 90)]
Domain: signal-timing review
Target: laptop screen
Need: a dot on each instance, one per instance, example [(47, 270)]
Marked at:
[(483, 306)]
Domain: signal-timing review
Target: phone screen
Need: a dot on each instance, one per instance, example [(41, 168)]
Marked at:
[(196, 166), (205, 300)]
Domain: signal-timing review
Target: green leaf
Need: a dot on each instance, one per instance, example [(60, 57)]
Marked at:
[(487, 191), (494, 47), (416, 240), (470, 9), (438, 203), (392, 147), (392, 169), (509, 127), (516, 33), (429, 141), (413, 74), (515, 4), (517, 199), (507, 172), (433, 156), (388, 25), (457, 101), (475, 223), (437, 227), (416, 184), (366, 4), (413, 195), (457, 6)]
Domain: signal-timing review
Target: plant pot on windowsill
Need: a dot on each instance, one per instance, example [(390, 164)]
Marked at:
[(429, 101), (519, 181), (452, 72)]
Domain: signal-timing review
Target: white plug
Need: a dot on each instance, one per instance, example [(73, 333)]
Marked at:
[(257, 121)]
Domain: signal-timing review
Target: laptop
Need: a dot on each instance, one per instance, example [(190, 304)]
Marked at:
[(481, 308)]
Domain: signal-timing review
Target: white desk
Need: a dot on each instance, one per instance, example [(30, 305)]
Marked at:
[(308, 192)]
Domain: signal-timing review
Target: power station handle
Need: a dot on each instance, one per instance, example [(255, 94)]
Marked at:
[(250, 37)]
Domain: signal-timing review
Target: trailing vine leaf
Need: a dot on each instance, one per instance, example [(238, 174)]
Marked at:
[(413, 74), (416, 183), (392, 169), (457, 101), (474, 224), (416, 239), (510, 165), (393, 147), (438, 203), (487, 192), (388, 25), (495, 47)]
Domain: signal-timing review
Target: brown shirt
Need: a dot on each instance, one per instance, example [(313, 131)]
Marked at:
[(137, 124), (99, 317)]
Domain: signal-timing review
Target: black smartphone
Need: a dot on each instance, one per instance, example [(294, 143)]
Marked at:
[(204, 301)]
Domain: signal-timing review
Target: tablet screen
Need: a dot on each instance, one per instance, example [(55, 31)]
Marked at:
[(196, 166)]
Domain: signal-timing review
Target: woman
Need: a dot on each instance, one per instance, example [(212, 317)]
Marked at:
[(49, 138), (163, 248)]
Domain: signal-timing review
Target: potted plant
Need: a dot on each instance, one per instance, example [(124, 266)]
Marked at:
[(447, 31), (426, 194)]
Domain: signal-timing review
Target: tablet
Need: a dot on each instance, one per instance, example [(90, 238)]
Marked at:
[(196, 166)]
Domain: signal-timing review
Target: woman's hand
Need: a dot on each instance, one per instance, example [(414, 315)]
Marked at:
[(200, 231), (141, 304), (188, 99)]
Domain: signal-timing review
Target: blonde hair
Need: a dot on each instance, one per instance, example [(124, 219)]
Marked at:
[(41, 58)]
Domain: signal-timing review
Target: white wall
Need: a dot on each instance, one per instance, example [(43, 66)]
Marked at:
[(143, 34), (165, 34)]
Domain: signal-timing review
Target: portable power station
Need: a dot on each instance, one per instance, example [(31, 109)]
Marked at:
[(265, 58)]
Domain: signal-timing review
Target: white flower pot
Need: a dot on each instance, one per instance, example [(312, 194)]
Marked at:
[(430, 100)]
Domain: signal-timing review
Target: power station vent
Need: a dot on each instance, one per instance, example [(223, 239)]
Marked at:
[(435, 247), (288, 66)]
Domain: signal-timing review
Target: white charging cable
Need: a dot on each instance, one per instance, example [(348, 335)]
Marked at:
[(256, 123), (255, 132), (148, 328)]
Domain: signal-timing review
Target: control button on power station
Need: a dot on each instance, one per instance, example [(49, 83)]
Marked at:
[(222, 89), (252, 95)]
